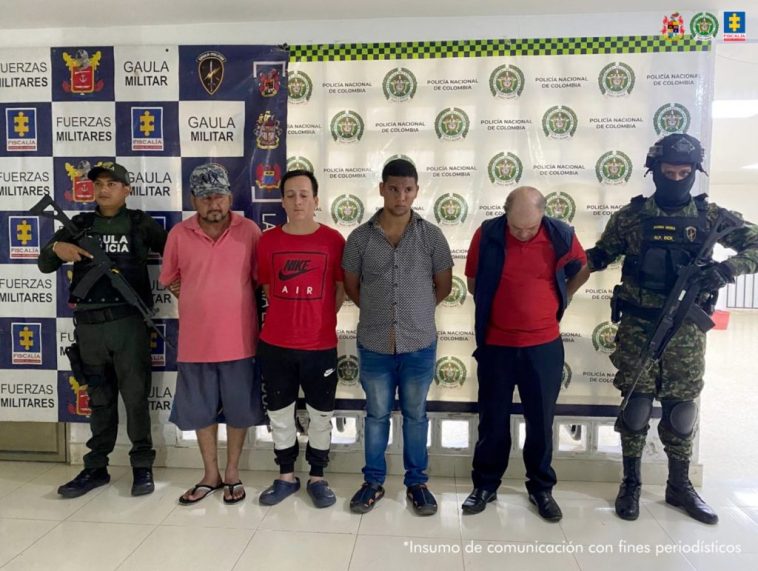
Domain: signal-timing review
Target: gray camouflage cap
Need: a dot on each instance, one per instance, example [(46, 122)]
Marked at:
[(210, 178)]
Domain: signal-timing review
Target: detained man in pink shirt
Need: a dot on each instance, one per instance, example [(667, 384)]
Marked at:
[(209, 265)]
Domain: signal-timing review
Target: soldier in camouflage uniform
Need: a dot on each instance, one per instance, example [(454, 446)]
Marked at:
[(656, 236)]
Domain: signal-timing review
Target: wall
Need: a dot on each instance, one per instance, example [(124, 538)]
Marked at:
[(732, 149)]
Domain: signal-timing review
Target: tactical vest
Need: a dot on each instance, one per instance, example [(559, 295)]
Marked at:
[(668, 244), (128, 252)]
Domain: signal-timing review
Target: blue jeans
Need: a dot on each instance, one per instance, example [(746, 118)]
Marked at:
[(410, 374)]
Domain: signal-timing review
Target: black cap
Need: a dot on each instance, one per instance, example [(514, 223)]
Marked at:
[(115, 170)]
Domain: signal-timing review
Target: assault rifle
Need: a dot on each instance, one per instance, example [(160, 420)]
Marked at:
[(102, 265), (681, 302)]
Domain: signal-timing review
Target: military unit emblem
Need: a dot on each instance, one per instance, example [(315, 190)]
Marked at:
[(613, 167), (267, 131), (299, 87), (450, 209), (506, 82), (268, 176), (347, 127), (82, 189), (269, 78), (399, 85), (505, 169), (210, 70), (449, 372), (347, 210), (83, 72), (671, 118), (616, 80), (451, 124), (561, 206), (559, 122)]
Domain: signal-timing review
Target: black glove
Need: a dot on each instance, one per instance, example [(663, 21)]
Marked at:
[(714, 277)]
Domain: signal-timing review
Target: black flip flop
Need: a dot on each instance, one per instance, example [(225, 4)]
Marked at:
[(185, 502), (234, 500)]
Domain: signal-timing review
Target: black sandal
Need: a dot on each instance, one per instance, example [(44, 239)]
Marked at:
[(365, 499)]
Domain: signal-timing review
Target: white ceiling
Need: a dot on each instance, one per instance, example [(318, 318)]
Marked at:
[(23, 14)]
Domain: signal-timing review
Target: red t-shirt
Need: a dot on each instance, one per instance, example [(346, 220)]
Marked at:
[(526, 301), (301, 272)]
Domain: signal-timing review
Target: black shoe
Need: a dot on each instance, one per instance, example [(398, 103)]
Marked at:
[(143, 481), (628, 498), (422, 499), (477, 500), (88, 479), (681, 494), (546, 505)]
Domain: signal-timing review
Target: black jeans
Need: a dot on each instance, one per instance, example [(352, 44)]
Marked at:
[(536, 371)]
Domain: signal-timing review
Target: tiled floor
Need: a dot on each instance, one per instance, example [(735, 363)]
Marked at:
[(108, 529)]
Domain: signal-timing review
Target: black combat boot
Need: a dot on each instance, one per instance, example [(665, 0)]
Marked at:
[(680, 493), (628, 498)]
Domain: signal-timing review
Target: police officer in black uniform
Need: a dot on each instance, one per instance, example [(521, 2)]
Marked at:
[(113, 339)]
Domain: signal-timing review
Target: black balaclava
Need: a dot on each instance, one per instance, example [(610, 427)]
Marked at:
[(676, 149)]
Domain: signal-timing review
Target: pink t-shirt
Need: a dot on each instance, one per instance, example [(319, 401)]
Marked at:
[(217, 315)]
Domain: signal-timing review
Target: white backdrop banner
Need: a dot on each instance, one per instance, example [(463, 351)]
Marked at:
[(573, 117)]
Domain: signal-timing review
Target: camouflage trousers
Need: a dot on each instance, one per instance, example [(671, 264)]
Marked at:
[(677, 376)]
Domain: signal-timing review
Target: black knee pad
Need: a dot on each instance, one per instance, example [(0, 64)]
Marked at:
[(634, 418), (679, 416)]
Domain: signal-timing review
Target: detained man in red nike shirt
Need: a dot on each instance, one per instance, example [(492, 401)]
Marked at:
[(523, 268), (299, 269)]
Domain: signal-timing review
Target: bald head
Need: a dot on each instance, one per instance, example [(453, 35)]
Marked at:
[(524, 207)]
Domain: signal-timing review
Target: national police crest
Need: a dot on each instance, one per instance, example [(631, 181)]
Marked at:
[(451, 124), (505, 169), (299, 163), (299, 87), (566, 375), (704, 26), (506, 82), (348, 369), (561, 206), (450, 209), (613, 167), (401, 157), (616, 80), (347, 210), (604, 337), (671, 118), (399, 84), (559, 122), (449, 373), (347, 127), (457, 295)]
